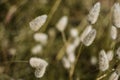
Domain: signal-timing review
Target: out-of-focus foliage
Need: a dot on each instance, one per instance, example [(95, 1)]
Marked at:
[(16, 38)]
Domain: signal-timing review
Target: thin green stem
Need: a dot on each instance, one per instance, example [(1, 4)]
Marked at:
[(72, 69), (17, 61), (50, 15), (64, 37), (101, 77)]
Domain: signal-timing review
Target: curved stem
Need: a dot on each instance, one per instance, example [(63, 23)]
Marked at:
[(50, 15), (64, 37), (101, 77), (18, 61), (72, 69)]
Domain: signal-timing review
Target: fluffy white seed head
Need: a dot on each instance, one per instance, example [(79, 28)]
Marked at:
[(118, 52), (41, 37), (37, 63), (71, 57), (76, 42), (116, 15), (114, 76), (88, 40), (110, 55), (66, 63), (113, 32), (38, 22), (39, 72), (37, 49), (118, 70), (74, 32), (94, 13), (62, 23), (85, 32), (103, 61), (70, 48), (93, 60)]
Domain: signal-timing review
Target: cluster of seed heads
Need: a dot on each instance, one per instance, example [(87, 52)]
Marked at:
[(104, 62), (87, 37), (41, 38), (116, 22), (89, 34)]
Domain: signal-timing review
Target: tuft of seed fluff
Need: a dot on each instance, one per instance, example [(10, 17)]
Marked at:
[(74, 32), (89, 38), (118, 53), (37, 62), (41, 37), (39, 72), (103, 61), (70, 48), (116, 15), (113, 32), (114, 76), (40, 66), (62, 23), (71, 57), (85, 32), (94, 13), (66, 63), (37, 49), (38, 22), (118, 70), (110, 55), (93, 60), (76, 42)]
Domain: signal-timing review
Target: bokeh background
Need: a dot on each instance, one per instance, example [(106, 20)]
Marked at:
[(16, 37)]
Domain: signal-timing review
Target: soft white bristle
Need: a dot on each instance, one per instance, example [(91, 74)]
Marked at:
[(114, 76), (110, 55), (103, 61), (76, 42), (88, 40), (113, 32), (85, 32), (93, 60), (118, 52), (37, 49), (37, 62), (41, 37), (40, 66), (71, 57), (118, 69), (38, 22), (94, 13), (70, 48), (66, 63), (39, 72), (62, 23), (73, 32), (116, 15)]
